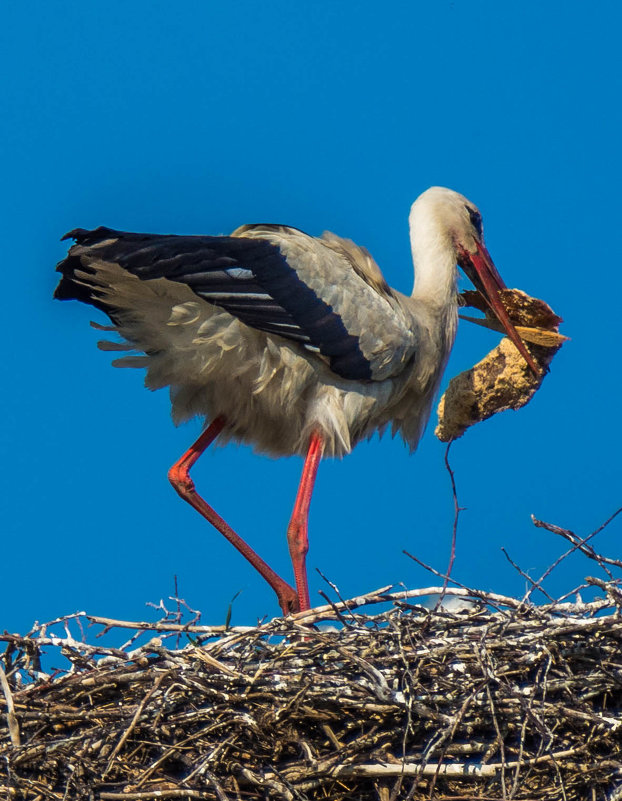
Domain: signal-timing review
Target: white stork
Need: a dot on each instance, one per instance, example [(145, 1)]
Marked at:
[(291, 343)]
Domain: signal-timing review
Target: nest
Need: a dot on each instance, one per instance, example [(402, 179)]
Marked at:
[(481, 697)]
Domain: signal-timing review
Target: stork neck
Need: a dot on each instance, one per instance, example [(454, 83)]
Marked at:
[(436, 278), (434, 260)]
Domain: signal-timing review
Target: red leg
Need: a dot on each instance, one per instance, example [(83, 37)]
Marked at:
[(297, 531), (179, 476)]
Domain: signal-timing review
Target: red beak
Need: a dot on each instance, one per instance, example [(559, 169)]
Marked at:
[(481, 270)]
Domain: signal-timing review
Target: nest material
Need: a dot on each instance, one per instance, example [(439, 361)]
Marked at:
[(501, 700), (502, 380)]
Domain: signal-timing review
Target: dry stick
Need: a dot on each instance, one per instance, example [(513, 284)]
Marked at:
[(571, 537), (270, 782), (601, 527), (546, 729), (436, 573), (216, 785), (134, 720), (616, 795), (208, 659), (447, 735), (38, 628), (154, 794), (63, 642), (454, 533), (575, 591), (576, 545), (461, 590), (477, 798), (535, 585), (10, 709), (579, 544), (591, 553), (81, 627), (408, 677), (178, 615), (195, 612), (493, 713), (452, 555), (607, 587), (139, 781), (132, 639), (529, 715), (383, 595), (38, 789), (337, 593), (338, 614), (561, 778), (109, 623), (461, 770)]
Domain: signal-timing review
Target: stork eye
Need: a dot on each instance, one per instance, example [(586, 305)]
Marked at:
[(476, 219)]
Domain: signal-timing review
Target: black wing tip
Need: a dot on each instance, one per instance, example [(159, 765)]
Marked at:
[(85, 236), (76, 233), (65, 290)]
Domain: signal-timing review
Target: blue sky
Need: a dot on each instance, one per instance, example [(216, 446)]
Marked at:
[(200, 117)]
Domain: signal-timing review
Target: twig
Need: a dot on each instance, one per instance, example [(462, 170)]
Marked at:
[(335, 589), (337, 612), (134, 721), (535, 585), (454, 532), (576, 545), (456, 769), (608, 586), (434, 572), (178, 615), (110, 622), (580, 544), (165, 793), (11, 717)]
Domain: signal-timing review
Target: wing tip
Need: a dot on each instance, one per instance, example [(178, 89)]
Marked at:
[(75, 233), (88, 236)]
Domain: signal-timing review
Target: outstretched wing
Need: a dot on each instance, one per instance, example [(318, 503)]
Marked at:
[(316, 292)]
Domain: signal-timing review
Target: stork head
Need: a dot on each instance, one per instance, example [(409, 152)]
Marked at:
[(444, 221)]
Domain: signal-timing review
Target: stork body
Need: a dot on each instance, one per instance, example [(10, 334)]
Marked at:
[(290, 343)]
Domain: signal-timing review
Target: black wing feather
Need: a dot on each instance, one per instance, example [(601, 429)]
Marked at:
[(249, 277)]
